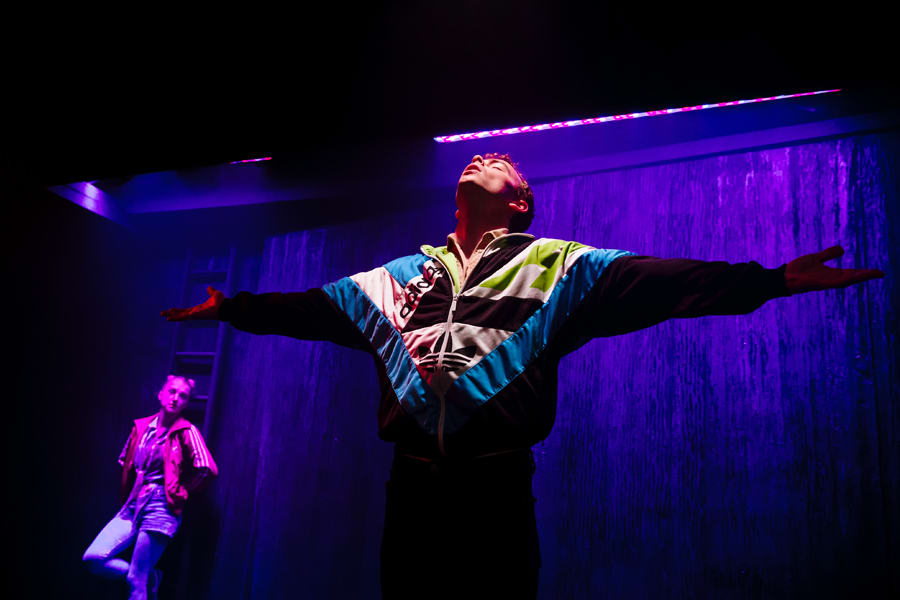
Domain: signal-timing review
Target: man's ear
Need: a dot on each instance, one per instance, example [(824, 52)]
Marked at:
[(519, 205)]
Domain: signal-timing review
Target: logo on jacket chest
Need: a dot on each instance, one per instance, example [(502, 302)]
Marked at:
[(417, 287), (447, 355)]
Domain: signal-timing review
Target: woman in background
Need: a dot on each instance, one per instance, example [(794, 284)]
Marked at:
[(164, 459)]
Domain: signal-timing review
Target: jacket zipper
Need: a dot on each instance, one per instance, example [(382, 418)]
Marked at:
[(457, 290), (440, 366), (440, 360)]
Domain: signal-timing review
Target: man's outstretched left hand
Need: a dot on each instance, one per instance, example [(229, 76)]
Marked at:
[(809, 273)]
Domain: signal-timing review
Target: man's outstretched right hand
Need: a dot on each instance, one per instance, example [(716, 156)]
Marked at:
[(207, 310)]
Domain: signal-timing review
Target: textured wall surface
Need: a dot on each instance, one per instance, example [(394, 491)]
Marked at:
[(724, 457)]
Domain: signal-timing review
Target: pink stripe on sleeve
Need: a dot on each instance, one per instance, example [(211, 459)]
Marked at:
[(201, 454)]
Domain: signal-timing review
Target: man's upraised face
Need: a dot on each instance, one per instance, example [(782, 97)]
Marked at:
[(493, 175)]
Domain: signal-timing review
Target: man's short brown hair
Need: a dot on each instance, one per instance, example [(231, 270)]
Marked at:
[(520, 221)]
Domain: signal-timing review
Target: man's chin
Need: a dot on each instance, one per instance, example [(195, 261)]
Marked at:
[(468, 186)]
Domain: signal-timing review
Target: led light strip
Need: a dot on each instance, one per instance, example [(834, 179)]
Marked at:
[(461, 137), (249, 160)]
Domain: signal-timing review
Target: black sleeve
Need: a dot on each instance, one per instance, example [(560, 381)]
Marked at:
[(635, 292), (308, 315)]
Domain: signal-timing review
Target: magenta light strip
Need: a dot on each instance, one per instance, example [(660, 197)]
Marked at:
[(249, 160), (461, 137)]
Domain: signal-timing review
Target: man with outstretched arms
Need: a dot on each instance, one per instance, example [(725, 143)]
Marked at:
[(468, 338)]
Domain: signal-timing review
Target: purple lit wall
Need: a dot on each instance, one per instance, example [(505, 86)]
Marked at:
[(738, 457)]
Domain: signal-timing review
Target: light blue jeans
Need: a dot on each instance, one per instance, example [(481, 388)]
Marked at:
[(145, 521)]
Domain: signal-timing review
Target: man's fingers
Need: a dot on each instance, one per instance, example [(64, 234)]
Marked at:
[(172, 313), (841, 278), (852, 276), (809, 272), (829, 253), (206, 310)]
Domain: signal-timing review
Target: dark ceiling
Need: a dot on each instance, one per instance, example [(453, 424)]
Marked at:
[(114, 103)]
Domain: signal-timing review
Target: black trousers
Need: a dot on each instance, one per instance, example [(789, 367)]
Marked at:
[(461, 528)]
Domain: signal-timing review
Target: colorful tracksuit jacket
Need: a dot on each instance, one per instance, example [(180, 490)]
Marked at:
[(470, 367)]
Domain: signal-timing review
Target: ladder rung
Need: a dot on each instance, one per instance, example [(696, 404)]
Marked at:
[(208, 274), (196, 404), (195, 355)]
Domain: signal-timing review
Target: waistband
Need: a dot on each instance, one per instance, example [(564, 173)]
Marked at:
[(507, 462)]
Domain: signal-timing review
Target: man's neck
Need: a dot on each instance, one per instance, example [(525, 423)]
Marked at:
[(469, 234)]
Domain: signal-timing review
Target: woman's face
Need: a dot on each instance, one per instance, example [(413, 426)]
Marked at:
[(174, 395)]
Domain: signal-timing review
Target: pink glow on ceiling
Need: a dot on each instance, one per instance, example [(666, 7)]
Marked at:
[(461, 137)]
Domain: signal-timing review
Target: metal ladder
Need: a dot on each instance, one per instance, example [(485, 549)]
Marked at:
[(197, 345)]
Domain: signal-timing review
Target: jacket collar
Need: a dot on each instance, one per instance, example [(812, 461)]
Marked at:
[(180, 423), (502, 240)]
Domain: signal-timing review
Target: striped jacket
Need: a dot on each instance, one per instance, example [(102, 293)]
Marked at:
[(187, 463), (470, 367)]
